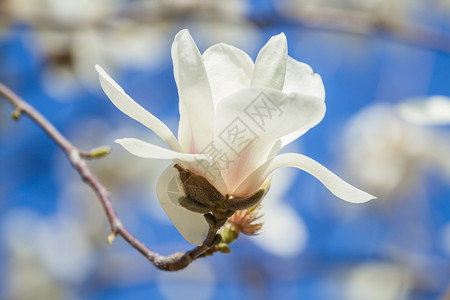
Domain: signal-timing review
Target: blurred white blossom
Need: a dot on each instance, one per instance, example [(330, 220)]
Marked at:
[(388, 155), (48, 255), (368, 12), (433, 110), (74, 35), (378, 281)]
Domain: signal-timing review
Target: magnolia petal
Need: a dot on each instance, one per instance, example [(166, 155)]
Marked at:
[(301, 79), (270, 65), (252, 121), (332, 182), (147, 150), (229, 69), (192, 226), (129, 107), (196, 105)]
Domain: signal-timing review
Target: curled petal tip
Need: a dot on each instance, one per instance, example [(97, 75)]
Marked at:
[(281, 35), (363, 199), (182, 33), (280, 38)]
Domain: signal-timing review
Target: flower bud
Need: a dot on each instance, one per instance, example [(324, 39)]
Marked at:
[(198, 189), (100, 152), (229, 234), (239, 203), (111, 238), (223, 248), (192, 205), (16, 114)]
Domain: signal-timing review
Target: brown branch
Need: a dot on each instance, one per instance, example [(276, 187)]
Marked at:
[(78, 158)]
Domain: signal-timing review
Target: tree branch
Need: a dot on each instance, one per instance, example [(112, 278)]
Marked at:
[(78, 158)]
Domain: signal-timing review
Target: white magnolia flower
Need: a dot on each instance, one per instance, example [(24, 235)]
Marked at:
[(235, 115)]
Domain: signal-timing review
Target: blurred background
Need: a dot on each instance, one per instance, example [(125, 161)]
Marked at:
[(373, 56)]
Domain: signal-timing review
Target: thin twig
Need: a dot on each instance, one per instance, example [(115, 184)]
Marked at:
[(78, 158)]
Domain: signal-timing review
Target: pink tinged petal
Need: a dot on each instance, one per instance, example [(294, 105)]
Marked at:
[(146, 150), (196, 105), (251, 122), (332, 182), (270, 65), (229, 69), (192, 226), (129, 107)]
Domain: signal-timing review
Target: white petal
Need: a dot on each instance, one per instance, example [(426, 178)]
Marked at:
[(195, 130), (192, 226), (336, 185), (252, 121), (301, 79), (270, 65), (129, 107), (147, 150), (229, 69), (429, 111)]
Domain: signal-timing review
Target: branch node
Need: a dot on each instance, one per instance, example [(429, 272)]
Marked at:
[(116, 225), (74, 156)]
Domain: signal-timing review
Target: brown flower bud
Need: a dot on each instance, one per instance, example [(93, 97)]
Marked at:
[(239, 203), (192, 205), (198, 189)]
